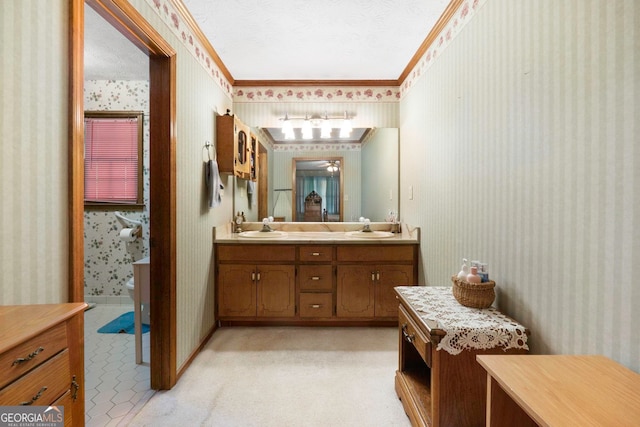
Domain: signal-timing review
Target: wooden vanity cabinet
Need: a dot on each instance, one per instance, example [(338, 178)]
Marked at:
[(255, 282), (233, 146), (312, 283), (42, 357), (366, 276)]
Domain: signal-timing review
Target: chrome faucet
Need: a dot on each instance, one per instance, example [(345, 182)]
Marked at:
[(367, 226), (265, 225)]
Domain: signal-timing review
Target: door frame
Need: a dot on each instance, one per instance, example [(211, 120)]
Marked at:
[(162, 172)]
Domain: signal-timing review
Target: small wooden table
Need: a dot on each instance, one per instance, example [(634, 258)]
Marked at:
[(560, 390)]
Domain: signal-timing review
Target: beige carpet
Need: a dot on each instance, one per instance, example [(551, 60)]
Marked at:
[(285, 376)]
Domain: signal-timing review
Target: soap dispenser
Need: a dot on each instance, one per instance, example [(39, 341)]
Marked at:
[(464, 270)]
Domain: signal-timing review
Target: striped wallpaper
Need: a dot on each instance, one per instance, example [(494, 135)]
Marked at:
[(198, 99), (521, 145), (33, 152)]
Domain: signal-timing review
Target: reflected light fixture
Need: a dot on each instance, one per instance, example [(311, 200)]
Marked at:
[(332, 167)]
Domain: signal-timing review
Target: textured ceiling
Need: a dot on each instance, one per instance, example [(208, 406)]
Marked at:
[(316, 40), (285, 39)]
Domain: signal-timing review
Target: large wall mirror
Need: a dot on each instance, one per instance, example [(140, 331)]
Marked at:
[(317, 189), (368, 180)]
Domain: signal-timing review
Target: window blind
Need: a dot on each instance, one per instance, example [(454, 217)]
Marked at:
[(111, 160)]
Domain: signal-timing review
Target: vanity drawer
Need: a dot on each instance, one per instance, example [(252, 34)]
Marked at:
[(376, 253), (45, 384), (256, 253), (316, 277), (412, 334), (316, 304), (322, 253), (24, 357)]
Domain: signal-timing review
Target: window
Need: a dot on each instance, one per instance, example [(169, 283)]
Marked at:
[(113, 158)]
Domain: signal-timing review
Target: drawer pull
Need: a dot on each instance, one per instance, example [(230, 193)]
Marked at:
[(315, 253), (316, 305), (408, 337), (75, 387), (29, 357), (315, 277), (34, 398)]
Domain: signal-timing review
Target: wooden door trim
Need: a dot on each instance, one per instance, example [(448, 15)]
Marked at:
[(126, 19)]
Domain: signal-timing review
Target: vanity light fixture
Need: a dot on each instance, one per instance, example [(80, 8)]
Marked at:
[(324, 123), (345, 129), (287, 127), (325, 129), (307, 131)]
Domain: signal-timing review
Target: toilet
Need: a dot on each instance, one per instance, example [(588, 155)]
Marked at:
[(145, 302)]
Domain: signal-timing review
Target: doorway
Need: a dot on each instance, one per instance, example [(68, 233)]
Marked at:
[(162, 100)]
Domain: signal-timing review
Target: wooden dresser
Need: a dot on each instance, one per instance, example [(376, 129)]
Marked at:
[(439, 380), (578, 390), (42, 357)]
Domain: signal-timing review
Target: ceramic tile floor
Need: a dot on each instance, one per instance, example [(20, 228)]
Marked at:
[(115, 387)]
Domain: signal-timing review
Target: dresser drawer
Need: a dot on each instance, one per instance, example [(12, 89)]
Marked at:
[(321, 253), (67, 401), (42, 386), (316, 304), (31, 353), (316, 277), (412, 334)]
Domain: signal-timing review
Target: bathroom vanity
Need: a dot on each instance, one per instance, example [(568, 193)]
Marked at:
[(438, 379), (313, 273)]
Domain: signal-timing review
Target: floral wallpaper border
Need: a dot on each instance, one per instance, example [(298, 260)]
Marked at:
[(324, 146), (175, 21), (461, 17)]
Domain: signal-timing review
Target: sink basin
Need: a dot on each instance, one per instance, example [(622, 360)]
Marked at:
[(256, 234), (369, 235)]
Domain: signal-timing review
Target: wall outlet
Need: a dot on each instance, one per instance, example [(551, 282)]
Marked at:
[(390, 194), (411, 192)]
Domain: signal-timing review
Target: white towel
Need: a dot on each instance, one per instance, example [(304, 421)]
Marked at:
[(214, 183)]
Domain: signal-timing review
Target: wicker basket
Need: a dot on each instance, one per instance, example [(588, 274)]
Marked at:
[(475, 295)]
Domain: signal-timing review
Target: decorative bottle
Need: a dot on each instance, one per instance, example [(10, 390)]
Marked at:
[(473, 277), (464, 270)]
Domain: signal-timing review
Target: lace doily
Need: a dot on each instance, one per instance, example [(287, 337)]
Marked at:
[(466, 328)]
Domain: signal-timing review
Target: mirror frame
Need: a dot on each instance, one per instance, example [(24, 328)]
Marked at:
[(294, 184)]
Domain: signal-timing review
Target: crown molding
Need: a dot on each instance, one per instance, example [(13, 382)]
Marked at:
[(197, 32), (440, 25), (305, 83)]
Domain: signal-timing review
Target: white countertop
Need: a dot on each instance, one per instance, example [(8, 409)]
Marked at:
[(325, 233)]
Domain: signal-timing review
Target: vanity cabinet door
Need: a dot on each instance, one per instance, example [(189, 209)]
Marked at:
[(236, 290), (276, 287), (388, 277), (367, 290), (356, 293)]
